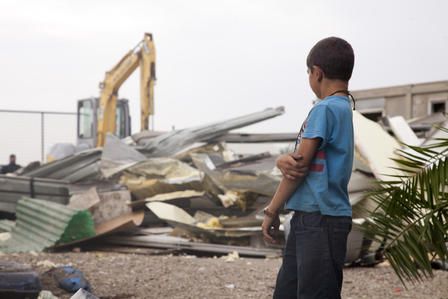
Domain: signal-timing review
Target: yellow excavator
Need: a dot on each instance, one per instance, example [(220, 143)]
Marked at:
[(108, 114)]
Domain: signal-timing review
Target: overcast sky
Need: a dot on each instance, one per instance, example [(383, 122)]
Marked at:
[(215, 59)]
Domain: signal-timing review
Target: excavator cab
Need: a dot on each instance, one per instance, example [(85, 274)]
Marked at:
[(88, 120), (107, 114)]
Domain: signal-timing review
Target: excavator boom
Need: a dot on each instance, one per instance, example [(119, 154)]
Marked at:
[(142, 55), (147, 81)]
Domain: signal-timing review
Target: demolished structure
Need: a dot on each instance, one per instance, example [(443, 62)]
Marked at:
[(182, 190)]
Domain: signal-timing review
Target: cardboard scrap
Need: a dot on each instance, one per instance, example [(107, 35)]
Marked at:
[(121, 223)]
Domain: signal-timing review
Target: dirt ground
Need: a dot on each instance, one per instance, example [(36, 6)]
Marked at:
[(130, 275)]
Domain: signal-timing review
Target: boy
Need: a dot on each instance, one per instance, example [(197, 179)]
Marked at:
[(315, 182)]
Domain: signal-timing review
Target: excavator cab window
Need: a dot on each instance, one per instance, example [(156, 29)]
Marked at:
[(120, 121), (85, 119)]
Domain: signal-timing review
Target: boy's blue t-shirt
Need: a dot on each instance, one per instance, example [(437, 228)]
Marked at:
[(324, 189)]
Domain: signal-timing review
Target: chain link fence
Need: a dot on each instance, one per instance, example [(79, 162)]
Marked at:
[(30, 134)]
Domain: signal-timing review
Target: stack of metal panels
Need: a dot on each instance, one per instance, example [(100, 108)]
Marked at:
[(13, 188)]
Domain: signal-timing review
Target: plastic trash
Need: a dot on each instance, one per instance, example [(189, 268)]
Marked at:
[(70, 279), (83, 294)]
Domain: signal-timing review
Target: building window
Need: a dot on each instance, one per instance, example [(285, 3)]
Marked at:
[(372, 108), (438, 107)]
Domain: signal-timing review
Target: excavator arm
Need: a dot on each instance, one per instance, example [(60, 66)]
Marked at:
[(147, 81), (142, 55)]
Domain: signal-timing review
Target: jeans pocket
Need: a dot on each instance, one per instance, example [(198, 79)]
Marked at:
[(311, 222), (342, 226)]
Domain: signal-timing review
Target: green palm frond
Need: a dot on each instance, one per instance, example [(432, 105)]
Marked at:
[(411, 219)]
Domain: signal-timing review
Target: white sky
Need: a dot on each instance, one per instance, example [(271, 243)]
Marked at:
[(215, 59)]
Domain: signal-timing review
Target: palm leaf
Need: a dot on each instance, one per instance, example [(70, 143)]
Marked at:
[(411, 218)]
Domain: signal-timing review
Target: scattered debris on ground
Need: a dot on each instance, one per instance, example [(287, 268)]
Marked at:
[(134, 275)]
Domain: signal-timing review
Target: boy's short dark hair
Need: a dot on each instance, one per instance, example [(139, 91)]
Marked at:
[(334, 56)]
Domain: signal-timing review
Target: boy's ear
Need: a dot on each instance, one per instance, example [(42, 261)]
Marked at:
[(320, 74)]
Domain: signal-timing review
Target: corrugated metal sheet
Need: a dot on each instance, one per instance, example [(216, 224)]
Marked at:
[(170, 143), (6, 225), (75, 168), (41, 224)]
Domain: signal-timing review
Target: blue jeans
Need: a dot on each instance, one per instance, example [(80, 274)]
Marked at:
[(313, 257)]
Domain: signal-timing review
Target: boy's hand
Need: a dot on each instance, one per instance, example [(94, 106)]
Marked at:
[(270, 227), (292, 166)]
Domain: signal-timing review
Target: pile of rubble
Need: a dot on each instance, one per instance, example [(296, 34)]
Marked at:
[(181, 190)]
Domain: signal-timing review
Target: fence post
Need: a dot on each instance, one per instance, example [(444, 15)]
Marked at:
[(42, 134), (42, 123)]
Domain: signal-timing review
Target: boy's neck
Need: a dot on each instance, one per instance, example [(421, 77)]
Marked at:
[(329, 87)]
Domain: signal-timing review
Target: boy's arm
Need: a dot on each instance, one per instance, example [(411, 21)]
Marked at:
[(307, 149), (291, 166)]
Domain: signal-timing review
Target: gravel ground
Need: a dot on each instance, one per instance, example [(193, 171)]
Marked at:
[(126, 275)]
